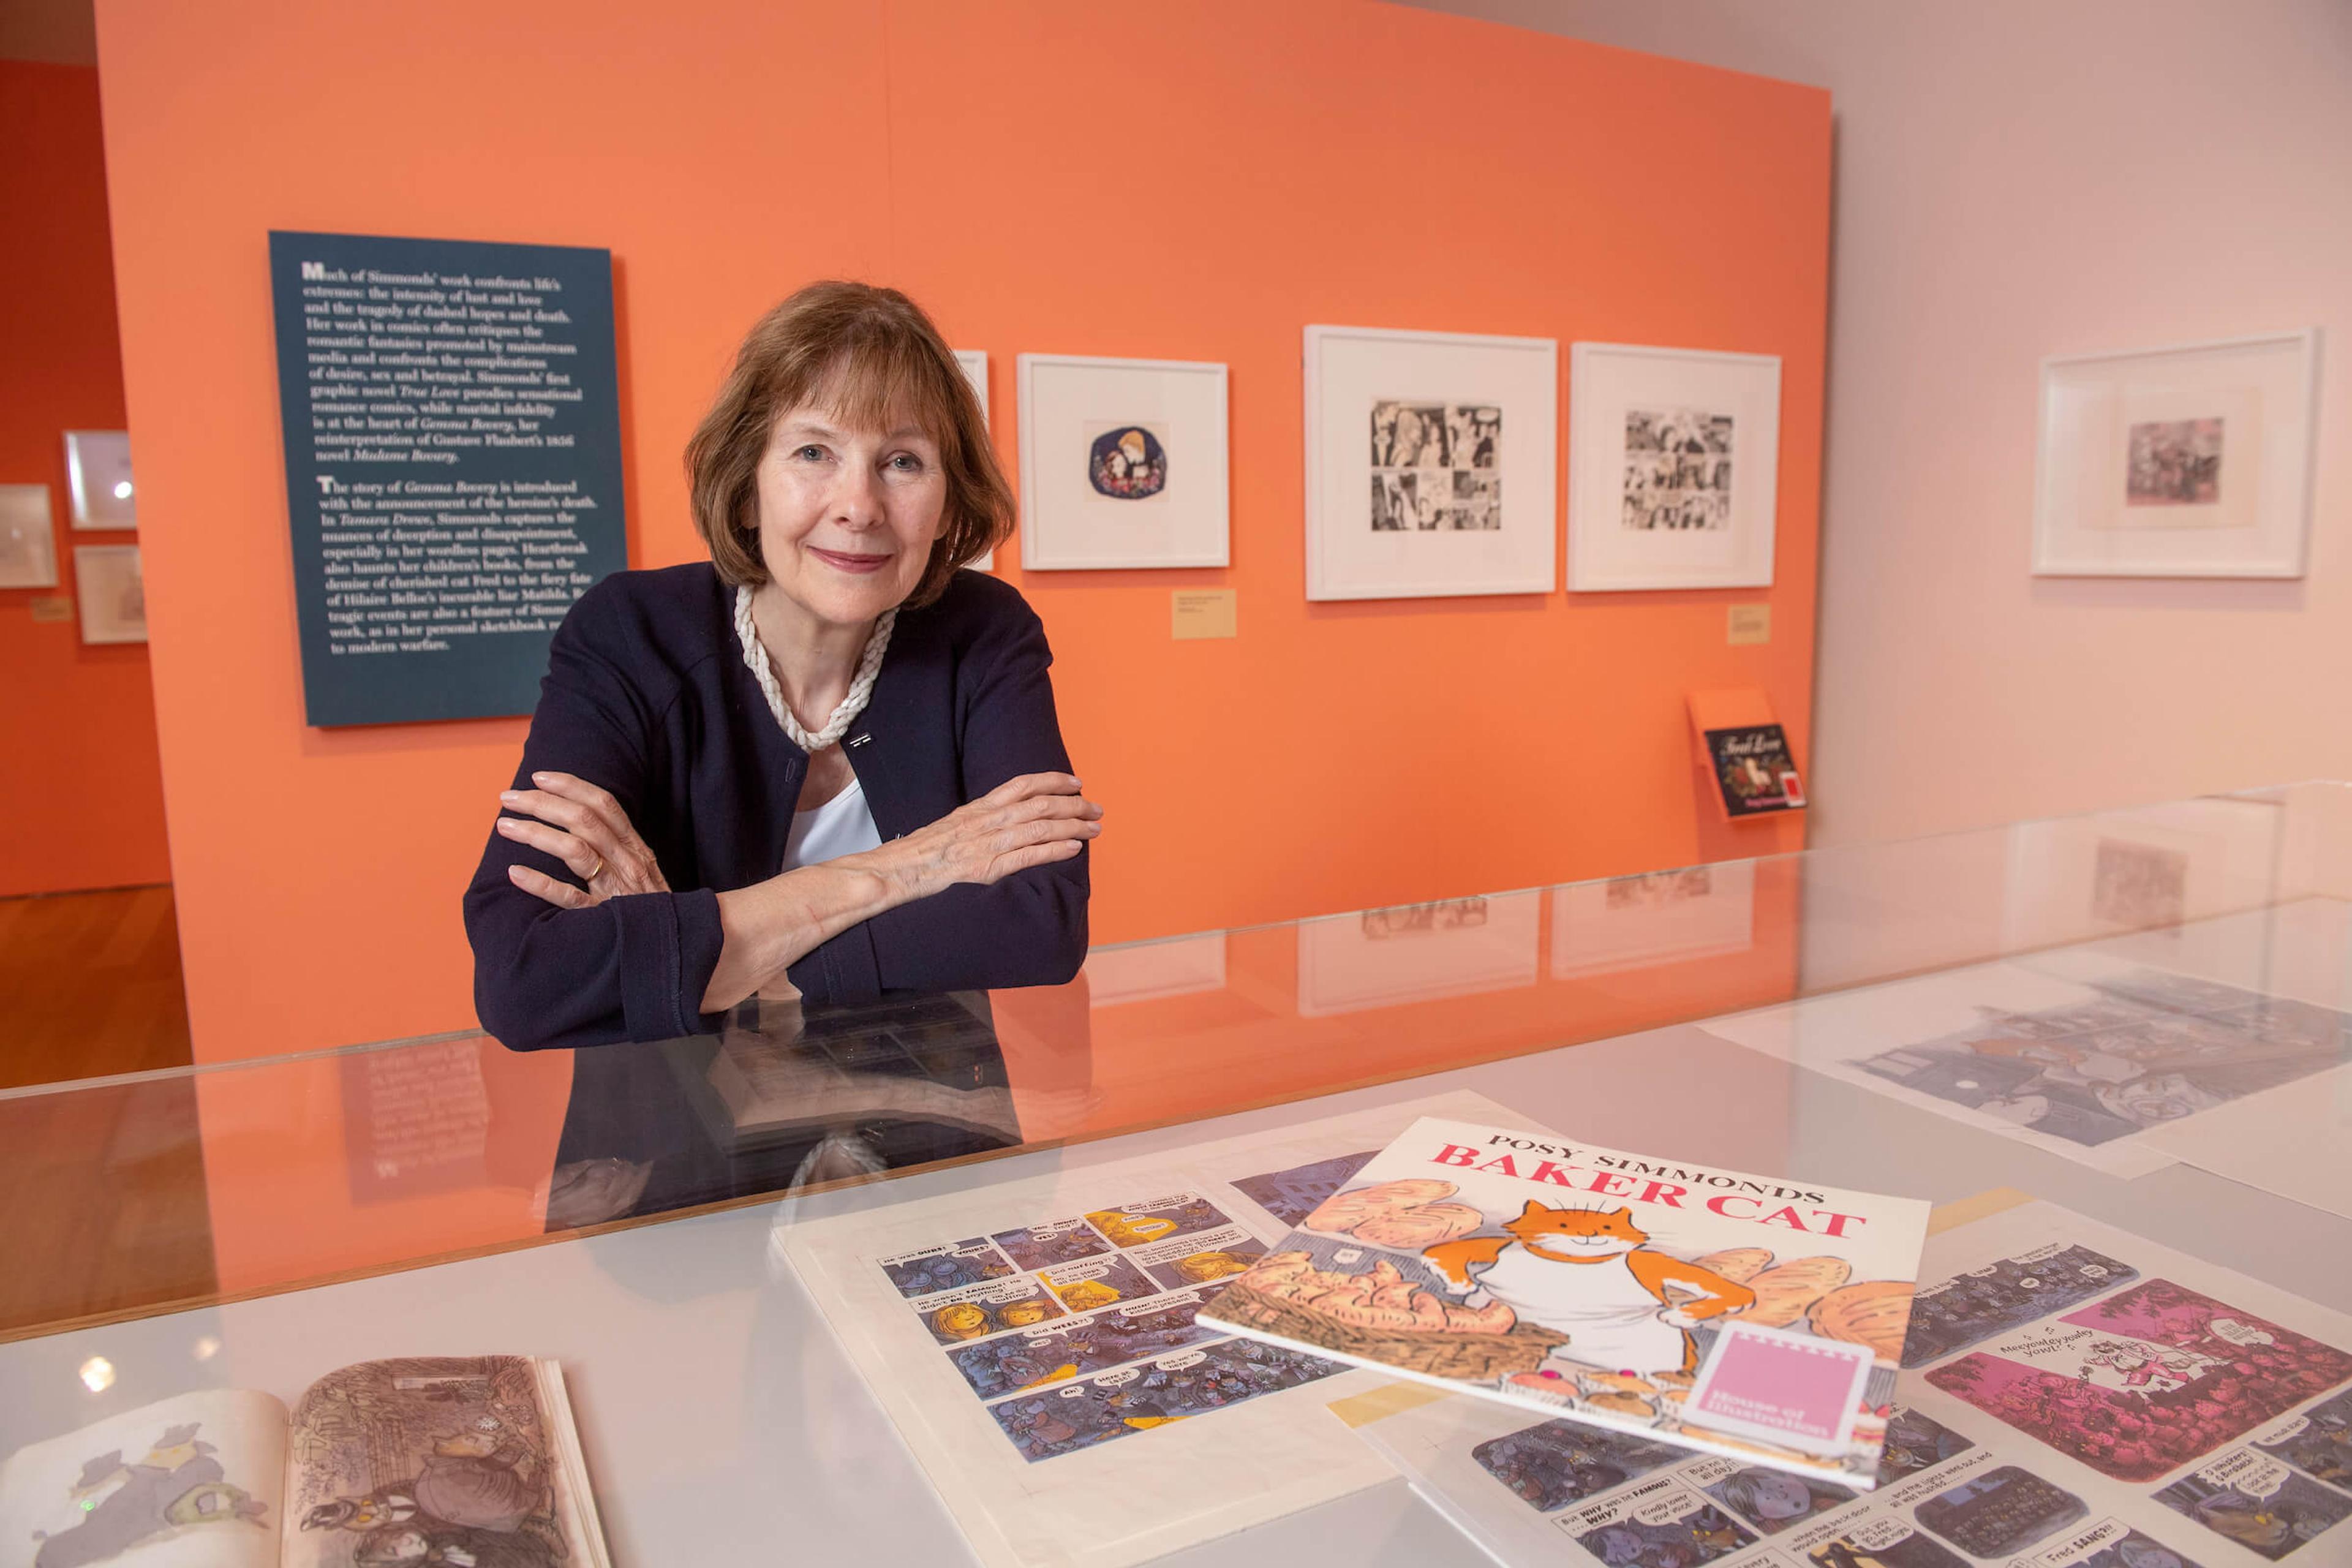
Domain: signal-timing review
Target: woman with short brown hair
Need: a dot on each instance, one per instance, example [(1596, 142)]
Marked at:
[(824, 761)]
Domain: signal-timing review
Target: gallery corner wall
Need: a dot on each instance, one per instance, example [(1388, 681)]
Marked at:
[(1197, 186), (81, 792)]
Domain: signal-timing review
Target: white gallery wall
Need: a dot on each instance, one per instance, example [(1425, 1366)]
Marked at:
[(2016, 179)]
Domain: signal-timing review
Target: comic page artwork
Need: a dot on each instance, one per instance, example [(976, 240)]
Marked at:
[(2083, 1054), (442, 1461), (1677, 468), (2147, 1048), (2179, 1392), (2146, 1381), (1570, 1493), (1949, 1315), (195, 1480), (1040, 1343), (1436, 466), (2173, 462), (2258, 1503), (1092, 1318), (1959, 1484)]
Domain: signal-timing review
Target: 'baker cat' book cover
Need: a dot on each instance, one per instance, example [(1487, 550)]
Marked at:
[(1750, 1316)]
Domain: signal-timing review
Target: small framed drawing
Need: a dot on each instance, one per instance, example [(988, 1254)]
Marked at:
[(1429, 464), (112, 593), (1123, 464), (29, 552), (98, 475), (2192, 461), (974, 362), (1674, 468)]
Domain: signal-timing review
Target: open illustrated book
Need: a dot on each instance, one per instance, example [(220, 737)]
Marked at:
[(1742, 1315), (470, 1462)]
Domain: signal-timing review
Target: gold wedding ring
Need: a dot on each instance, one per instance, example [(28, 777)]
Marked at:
[(597, 872)]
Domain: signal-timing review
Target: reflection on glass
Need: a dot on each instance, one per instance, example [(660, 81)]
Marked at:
[(1144, 970), (1663, 917), (782, 1099), (1417, 953), (98, 1374)]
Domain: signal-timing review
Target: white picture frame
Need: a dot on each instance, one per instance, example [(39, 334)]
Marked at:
[(28, 549), (1384, 523), (2194, 461), (110, 589), (98, 480), (974, 362), (1642, 516), (1161, 425)]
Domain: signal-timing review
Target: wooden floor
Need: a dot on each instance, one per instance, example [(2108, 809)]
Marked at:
[(102, 1199), (89, 987)]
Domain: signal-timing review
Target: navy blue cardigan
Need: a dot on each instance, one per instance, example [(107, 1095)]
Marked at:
[(646, 695)]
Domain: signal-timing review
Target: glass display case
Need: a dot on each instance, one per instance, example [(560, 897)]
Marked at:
[(728, 1242)]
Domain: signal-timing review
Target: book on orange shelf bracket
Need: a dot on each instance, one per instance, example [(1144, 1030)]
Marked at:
[(1757, 1317)]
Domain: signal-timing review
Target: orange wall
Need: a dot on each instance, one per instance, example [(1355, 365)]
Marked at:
[(1196, 185), (81, 793)]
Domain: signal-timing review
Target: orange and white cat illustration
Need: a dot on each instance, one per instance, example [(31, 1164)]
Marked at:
[(1586, 1274)]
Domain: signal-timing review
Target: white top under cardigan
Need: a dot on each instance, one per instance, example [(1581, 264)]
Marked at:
[(842, 825)]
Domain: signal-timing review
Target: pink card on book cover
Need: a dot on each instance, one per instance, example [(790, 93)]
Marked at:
[(1779, 1388)]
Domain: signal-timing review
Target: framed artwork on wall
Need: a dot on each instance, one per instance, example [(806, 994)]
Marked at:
[(2190, 462), (29, 553), (1674, 468), (112, 593), (975, 365), (1429, 464), (1123, 464), (98, 476)]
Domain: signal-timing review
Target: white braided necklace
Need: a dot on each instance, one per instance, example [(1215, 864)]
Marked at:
[(861, 686)]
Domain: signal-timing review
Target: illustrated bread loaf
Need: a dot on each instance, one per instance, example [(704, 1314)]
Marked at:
[(1736, 1263), (1784, 1293), (1341, 1212), (1874, 1312), (1424, 1225)]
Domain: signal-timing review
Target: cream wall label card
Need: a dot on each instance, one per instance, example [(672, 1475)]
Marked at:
[(453, 465), (1202, 613), (2192, 461), (1123, 463), (1430, 460), (1745, 625), (1674, 468)]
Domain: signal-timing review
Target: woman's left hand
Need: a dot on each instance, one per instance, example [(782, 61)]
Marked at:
[(584, 827)]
